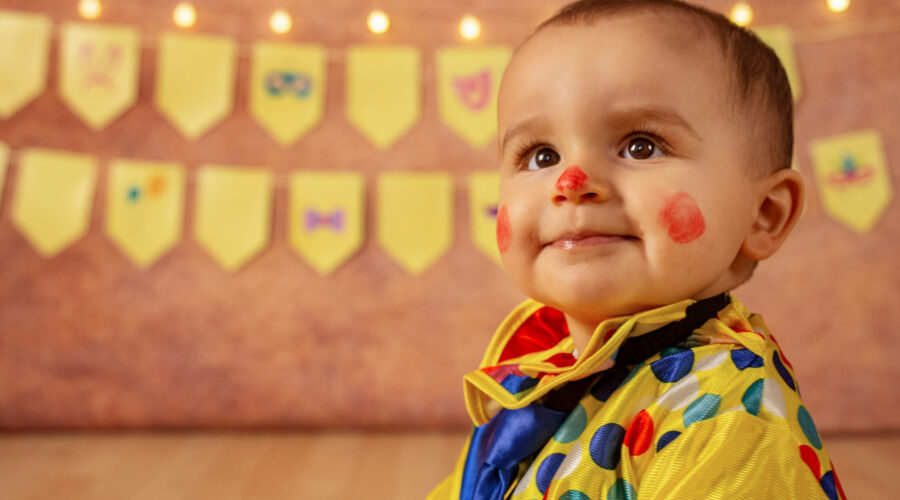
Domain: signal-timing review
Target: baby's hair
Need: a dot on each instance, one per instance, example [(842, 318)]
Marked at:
[(758, 80)]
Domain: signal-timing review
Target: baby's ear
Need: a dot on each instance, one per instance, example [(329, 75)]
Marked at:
[(782, 197)]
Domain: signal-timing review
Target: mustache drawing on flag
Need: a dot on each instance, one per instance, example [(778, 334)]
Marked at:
[(288, 82), (334, 220)]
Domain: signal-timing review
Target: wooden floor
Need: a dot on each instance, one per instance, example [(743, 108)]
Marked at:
[(285, 465)]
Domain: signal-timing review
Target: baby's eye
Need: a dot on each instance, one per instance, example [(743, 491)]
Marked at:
[(543, 158), (642, 148)]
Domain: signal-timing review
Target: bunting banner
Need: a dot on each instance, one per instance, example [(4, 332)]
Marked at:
[(287, 88), (852, 176), (781, 40), (4, 161), (54, 194), (383, 91), (484, 195), (144, 208), (233, 214), (99, 68), (468, 81), (415, 217), (24, 49), (326, 217), (195, 80)]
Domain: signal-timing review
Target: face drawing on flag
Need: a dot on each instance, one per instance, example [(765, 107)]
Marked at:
[(294, 83), (318, 220), (850, 174), (474, 91), (101, 64), (155, 188)]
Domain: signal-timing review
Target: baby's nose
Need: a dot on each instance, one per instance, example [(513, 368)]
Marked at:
[(573, 185)]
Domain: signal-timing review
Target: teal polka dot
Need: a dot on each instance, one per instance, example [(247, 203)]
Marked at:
[(622, 490), (633, 372), (573, 426), (752, 396), (809, 428), (702, 408), (574, 495)]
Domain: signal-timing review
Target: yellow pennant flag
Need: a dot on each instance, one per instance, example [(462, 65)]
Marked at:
[(53, 199), (780, 39), (326, 217), (233, 214), (853, 178), (4, 161), (144, 208), (468, 80), (98, 70), (287, 88), (195, 80), (484, 193), (24, 48), (383, 91), (415, 217)]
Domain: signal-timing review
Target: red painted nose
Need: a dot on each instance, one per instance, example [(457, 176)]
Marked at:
[(572, 179)]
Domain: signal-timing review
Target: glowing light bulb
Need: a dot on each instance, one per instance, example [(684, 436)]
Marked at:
[(90, 9), (838, 5), (741, 14), (281, 21), (378, 21), (185, 15), (469, 27)]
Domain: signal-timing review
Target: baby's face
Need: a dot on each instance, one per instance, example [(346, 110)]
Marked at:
[(622, 186)]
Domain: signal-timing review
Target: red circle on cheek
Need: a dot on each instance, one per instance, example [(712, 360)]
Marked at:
[(503, 231), (682, 218)]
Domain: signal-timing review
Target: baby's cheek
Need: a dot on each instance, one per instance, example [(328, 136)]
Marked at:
[(682, 218), (503, 230)]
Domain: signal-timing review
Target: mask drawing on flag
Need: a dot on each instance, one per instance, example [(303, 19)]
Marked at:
[(292, 83)]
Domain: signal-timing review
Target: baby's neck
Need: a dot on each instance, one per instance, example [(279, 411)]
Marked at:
[(581, 331)]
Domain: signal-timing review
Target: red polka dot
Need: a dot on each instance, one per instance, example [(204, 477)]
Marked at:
[(837, 482), (812, 460), (639, 435)]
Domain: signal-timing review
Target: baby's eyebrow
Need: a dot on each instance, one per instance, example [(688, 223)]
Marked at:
[(517, 129), (653, 114)]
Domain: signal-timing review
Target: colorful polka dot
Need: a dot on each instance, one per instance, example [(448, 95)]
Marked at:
[(837, 481), (666, 439), (547, 470), (702, 408), (773, 398), (634, 371), (681, 393), (828, 485), (570, 463), (809, 428), (606, 445), (608, 383), (812, 460), (710, 361), (639, 435), (745, 358), (574, 495), (673, 367), (752, 397), (525, 481), (573, 426), (785, 374), (622, 490)]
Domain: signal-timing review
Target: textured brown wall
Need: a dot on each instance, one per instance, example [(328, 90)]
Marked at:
[(88, 340)]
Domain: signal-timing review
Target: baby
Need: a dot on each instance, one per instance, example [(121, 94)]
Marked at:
[(645, 170)]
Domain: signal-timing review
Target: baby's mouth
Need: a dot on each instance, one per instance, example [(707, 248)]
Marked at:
[(586, 239)]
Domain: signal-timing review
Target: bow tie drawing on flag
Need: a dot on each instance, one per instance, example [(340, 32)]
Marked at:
[(333, 220)]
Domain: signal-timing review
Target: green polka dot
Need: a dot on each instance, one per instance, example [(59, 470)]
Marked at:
[(702, 408), (752, 396), (809, 428), (574, 495), (573, 426), (622, 490), (669, 351)]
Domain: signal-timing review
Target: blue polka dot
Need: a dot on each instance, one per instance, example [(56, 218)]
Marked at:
[(702, 408), (809, 428), (622, 490), (783, 371), (744, 358), (666, 439), (574, 495), (752, 396), (547, 469), (608, 383), (573, 426), (671, 368), (828, 485), (606, 445)]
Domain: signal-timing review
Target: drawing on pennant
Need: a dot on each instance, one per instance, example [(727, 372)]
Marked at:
[(682, 218), (491, 211), (288, 82), (155, 187), (315, 220), (474, 90), (850, 173), (99, 64)]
